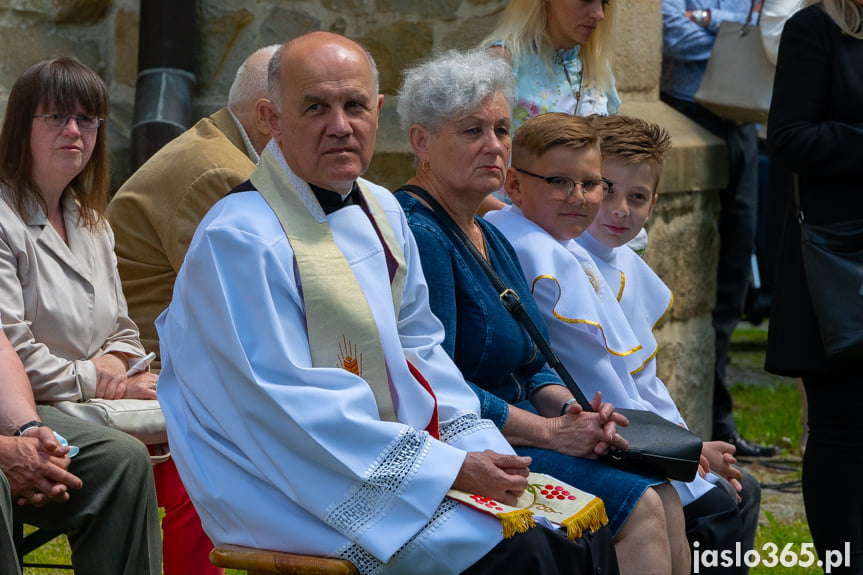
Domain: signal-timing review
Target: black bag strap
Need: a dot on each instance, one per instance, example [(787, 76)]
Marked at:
[(507, 296)]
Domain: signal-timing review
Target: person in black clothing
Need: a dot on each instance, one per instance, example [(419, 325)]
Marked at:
[(816, 131)]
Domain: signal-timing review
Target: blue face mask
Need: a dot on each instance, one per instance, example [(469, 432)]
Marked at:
[(73, 451)]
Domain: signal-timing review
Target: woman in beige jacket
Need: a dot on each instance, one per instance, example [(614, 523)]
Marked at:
[(60, 294)]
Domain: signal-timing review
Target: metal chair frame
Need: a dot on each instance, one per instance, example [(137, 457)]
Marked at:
[(29, 543)]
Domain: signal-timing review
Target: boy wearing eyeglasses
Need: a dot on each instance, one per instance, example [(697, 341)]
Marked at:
[(600, 317)]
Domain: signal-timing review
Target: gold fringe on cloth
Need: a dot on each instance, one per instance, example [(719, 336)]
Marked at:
[(517, 521), (590, 518), (562, 504)]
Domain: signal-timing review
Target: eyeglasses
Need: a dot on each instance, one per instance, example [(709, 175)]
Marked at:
[(563, 186), (59, 121)]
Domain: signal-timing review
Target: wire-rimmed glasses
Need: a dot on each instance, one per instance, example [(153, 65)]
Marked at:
[(561, 187), (61, 121)]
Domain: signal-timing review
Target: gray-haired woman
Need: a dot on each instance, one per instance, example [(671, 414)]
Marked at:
[(456, 111)]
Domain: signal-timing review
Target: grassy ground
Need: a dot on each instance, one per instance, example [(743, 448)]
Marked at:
[(767, 409)]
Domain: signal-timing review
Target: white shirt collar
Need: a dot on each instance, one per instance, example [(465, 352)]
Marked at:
[(250, 149), (301, 186)]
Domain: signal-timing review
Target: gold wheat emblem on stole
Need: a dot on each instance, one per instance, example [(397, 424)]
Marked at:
[(349, 359)]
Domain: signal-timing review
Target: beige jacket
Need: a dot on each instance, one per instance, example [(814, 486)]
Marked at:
[(155, 213), (61, 305)]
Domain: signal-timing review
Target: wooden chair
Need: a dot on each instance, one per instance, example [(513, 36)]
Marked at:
[(263, 562)]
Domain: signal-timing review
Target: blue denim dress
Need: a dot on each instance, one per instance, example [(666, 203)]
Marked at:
[(496, 355)]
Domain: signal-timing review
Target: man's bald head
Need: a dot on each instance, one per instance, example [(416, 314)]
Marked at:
[(303, 45), (324, 108)]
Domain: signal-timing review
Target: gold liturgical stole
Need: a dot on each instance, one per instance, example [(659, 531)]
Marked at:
[(341, 328)]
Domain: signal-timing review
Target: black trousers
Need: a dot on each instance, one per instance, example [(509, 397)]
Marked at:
[(716, 521), (737, 223), (541, 551), (833, 465)]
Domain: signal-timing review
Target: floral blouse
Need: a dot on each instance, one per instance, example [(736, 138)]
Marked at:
[(558, 89)]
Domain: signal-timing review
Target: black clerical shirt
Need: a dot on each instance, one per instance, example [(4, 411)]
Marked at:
[(331, 201)]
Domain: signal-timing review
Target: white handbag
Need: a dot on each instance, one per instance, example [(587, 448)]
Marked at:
[(140, 418), (738, 82)]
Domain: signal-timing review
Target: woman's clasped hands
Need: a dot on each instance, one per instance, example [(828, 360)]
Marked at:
[(112, 383), (588, 434)]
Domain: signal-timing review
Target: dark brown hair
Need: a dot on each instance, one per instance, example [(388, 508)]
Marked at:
[(59, 86)]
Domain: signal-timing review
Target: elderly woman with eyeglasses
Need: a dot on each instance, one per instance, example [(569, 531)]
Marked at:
[(60, 294), (456, 109)]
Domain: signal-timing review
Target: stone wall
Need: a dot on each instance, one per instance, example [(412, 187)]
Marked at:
[(683, 240)]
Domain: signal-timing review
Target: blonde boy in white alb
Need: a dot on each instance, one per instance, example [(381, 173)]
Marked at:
[(633, 152)]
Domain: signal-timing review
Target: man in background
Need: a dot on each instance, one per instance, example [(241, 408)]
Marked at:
[(155, 213)]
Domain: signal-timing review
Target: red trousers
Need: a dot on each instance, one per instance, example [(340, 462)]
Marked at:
[(185, 546)]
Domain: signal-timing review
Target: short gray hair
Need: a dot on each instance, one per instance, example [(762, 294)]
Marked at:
[(452, 85), (250, 81), (274, 72)]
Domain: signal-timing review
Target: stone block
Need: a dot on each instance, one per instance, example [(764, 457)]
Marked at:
[(34, 6), (637, 57), (397, 47), (80, 11), (685, 364), (470, 32), (281, 24), (390, 170), (683, 249), (225, 38), (32, 41), (348, 7), (392, 164), (125, 47), (439, 10)]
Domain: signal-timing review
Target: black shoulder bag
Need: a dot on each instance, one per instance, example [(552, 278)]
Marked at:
[(833, 265), (656, 445)]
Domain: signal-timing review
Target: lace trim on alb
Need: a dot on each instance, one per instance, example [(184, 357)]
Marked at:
[(368, 564), (465, 424), (382, 485)]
